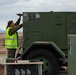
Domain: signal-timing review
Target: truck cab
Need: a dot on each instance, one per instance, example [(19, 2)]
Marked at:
[(45, 37)]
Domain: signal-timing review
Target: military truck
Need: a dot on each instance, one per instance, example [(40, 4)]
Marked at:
[(45, 38)]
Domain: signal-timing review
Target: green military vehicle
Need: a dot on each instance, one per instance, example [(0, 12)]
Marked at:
[(45, 37)]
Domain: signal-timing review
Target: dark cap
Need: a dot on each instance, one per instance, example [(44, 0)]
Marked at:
[(9, 22)]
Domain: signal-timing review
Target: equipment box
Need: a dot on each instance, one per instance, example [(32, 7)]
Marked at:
[(23, 68)]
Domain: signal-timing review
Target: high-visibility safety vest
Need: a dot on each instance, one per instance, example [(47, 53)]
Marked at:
[(10, 40)]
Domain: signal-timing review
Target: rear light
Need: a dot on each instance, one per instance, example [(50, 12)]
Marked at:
[(13, 61)]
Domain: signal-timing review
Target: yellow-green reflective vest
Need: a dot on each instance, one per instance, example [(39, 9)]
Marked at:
[(10, 40)]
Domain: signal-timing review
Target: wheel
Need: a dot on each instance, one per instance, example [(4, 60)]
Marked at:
[(50, 66)]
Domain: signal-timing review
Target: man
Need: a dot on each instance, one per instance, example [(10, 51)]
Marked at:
[(11, 37)]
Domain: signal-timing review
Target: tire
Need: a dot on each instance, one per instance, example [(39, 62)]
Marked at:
[(50, 66)]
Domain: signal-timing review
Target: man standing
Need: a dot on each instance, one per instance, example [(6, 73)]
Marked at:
[(11, 37)]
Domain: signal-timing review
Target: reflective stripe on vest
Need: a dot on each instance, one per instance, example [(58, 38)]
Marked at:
[(10, 40)]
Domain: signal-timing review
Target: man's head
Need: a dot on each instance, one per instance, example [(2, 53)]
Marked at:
[(10, 23)]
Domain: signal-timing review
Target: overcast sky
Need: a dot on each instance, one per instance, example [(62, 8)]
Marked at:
[(9, 8)]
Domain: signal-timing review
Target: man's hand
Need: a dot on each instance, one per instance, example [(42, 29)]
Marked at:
[(20, 15)]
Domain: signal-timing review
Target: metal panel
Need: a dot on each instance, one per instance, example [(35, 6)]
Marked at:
[(72, 55), (71, 23), (51, 24), (33, 36)]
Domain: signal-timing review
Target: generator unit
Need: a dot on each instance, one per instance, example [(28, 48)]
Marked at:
[(45, 38)]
